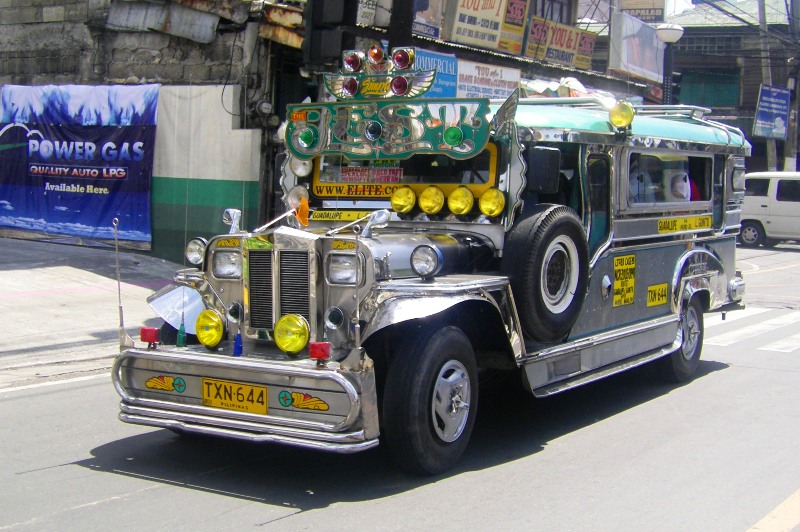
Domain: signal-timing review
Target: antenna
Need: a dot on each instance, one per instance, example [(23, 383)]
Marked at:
[(125, 340)]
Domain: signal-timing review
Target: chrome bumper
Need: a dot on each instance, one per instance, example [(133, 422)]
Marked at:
[(164, 388)]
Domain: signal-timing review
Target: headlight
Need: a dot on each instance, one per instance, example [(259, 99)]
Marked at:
[(403, 200), (431, 200), (426, 261), (210, 328), (343, 269), (300, 167), (291, 333), (227, 264), (460, 201), (196, 250), (492, 202)]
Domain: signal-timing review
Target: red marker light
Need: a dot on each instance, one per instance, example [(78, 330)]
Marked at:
[(352, 62), (399, 85), (350, 86), (319, 350), (149, 335), (401, 59)]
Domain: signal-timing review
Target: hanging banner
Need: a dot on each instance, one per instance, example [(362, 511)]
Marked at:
[(772, 112), (474, 22), (512, 32), (75, 157), (479, 80), (446, 67), (561, 44), (635, 49)]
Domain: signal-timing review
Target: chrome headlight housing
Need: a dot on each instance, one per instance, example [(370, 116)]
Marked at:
[(227, 264), (344, 269), (195, 251), (426, 261)]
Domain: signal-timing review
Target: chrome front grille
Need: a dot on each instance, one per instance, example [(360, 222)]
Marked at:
[(260, 294), (293, 279)]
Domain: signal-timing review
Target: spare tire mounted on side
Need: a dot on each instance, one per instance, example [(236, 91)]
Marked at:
[(547, 260)]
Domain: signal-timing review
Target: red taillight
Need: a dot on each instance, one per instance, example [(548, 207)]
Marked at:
[(149, 335), (352, 62), (319, 350)]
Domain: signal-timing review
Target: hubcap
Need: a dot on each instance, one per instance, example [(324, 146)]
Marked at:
[(691, 333), (559, 274), (450, 401)]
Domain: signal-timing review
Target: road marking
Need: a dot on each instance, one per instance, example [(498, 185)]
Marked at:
[(53, 383), (715, 318), (784, 345), (783, 518), (752, 330)]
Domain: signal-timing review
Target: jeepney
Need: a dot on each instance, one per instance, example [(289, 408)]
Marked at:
[(427, 242)]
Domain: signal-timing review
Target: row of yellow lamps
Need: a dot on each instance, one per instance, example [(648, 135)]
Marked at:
[(460, 202)]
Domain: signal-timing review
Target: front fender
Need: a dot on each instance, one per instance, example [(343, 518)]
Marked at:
[(400, 301)]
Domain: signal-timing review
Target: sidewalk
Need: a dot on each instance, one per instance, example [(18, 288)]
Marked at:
[(60, 306)]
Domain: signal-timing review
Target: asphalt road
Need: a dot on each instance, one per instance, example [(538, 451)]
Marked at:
[(627, 453)]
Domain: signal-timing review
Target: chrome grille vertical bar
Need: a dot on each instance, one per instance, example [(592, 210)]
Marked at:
[(294, 283), (260, 293)]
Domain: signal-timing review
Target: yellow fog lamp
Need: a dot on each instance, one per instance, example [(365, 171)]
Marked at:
[(460, 201), (492, 202), (621, 115), (403, 200), (431, 200), (291, 333), (209, 328)]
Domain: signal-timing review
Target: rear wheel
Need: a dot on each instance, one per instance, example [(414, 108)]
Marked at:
[(681, 365), (430, 401), (752, 234)]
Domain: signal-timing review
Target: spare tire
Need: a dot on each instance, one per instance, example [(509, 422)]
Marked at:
[(546, 258)]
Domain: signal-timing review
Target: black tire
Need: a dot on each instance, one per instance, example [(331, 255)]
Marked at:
[(547, 260), (752, 234), (430, 402), (680, 366)]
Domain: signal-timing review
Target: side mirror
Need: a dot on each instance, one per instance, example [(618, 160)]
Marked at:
[(376, 220), (232, 217), (544, 166)]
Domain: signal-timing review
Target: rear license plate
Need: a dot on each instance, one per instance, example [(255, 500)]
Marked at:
[(236, 396)]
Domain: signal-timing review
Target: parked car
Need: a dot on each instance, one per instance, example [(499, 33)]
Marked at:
[(771, 208)]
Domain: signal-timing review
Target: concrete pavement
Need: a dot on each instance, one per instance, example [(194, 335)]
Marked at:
[(59, 305)]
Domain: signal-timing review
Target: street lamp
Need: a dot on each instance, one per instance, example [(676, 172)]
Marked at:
[(669, 34)]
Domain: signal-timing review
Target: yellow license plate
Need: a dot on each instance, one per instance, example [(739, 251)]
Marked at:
[(236, 396)]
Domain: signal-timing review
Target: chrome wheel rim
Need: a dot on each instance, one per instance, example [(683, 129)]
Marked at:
[(450, 401)]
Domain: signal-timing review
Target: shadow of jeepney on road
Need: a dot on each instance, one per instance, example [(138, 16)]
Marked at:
[(511, 424)]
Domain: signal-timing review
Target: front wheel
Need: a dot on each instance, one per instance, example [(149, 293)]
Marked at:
[(681, 365), (430, 401)]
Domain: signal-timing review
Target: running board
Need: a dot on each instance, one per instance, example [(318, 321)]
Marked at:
[(607, 371)]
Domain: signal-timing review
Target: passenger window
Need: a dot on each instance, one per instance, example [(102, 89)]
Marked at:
[(788, 190), (667, 178), (756, 187)]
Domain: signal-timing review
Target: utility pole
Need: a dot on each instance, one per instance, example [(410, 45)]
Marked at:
[(766, 78)]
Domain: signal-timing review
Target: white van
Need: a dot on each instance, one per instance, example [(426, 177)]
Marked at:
[(771, 208)]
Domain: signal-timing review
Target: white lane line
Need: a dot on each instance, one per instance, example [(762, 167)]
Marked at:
[(784, 345), (715, 318), (53, 383), (753, 330), (785, 516)]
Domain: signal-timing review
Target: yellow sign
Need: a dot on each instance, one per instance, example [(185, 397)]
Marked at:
[(689, 223), (657, 295), (560, 43), (344, 245), (228, 243), (337, 216), (624, 279)]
